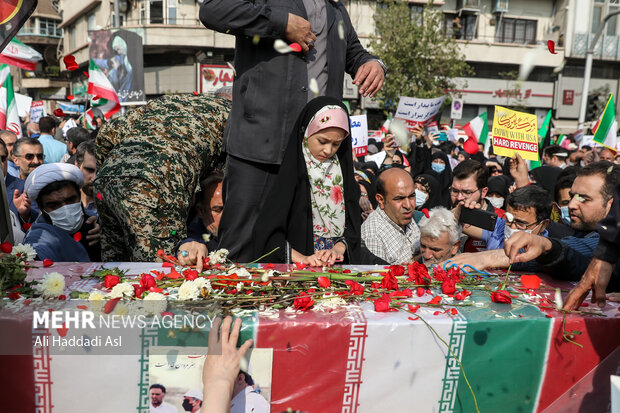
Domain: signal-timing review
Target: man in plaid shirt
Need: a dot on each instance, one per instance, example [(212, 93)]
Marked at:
[(390, 232)]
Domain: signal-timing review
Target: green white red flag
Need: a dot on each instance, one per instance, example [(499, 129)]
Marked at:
[(18, 54), (9, 118), (477, 131), (606, 129), (105, 97)]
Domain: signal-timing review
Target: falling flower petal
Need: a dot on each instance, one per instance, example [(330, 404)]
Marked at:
[(195, 93), (256, 39), (425, 212), (281, 46), (324, 282), (314, 87), (6, 247), (86, 74), (70, 97), (62, 331), (47, 263), (77, 236), (99, 196), (531, 282), (59, 113), (295, 47), (551, 46), (82, 307), (232, 67), (110, 305)]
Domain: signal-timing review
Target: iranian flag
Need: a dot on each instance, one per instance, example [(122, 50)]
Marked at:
[(106, 99), (18, 54), (477, 131), (606, 129), (9, 118)]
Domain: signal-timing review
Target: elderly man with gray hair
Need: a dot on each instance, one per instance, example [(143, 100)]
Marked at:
[(440, 236)]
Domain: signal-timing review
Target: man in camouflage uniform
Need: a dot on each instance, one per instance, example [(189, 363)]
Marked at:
[(149, 166)]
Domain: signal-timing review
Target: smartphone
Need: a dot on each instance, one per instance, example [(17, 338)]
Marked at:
[(478, 218)]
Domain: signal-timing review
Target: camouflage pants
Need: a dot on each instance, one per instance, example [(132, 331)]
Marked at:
[(137, 220)]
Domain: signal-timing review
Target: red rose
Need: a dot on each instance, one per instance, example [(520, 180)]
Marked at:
[(418, 273), (335, 194), (454, 311), (413, 308), (47, 262), (459, 296), (501, 296), (389, 282), (382, 304), (147, 281), (111, 280), (439, 274), (407, 292), (448, 287), (300, 265), (6, 247), (303, 301), (435, 300), (190, 275), (14, 295), (356, 288), (324, 282), (138, 289), (396, 270), (530, 281)]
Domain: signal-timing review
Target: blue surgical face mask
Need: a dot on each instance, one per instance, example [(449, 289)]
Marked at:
[(438, 167), (420, 198), (565, 215)]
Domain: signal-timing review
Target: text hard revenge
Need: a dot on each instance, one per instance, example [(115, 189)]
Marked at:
[(516, 145)]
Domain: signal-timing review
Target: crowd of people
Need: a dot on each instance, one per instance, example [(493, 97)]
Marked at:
[(268, 170)]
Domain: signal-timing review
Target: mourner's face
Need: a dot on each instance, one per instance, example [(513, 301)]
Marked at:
[(587, 205), (89, 171), (210, 210), (324, 144), (30, 157), (399, 201), (64, 196), (436, 250)]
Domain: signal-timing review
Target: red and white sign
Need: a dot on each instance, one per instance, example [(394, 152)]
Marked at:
[(568, 96), (213, 77), (37, 111), (359, 134)]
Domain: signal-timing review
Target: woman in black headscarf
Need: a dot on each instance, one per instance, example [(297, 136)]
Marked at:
[(312, 214), (498, 190), (427, 192), (441, 170), (546, 176)]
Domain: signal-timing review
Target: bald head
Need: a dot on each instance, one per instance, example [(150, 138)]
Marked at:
[(396, 195)]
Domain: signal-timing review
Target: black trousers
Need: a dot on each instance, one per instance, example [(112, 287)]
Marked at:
[(246, 184)]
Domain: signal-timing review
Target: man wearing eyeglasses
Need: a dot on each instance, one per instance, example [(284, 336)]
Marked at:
[(27, 155), (469, 186)]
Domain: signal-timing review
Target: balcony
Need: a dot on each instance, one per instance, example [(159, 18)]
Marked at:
[(607, 48)]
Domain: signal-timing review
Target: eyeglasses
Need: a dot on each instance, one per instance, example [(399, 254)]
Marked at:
[(466, 192), (30, 156), (510, 220)]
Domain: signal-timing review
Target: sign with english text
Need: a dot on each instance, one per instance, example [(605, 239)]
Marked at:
[(515, 132), (359, 134)]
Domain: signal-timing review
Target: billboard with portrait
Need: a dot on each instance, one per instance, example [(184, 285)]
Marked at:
[(118, 53)]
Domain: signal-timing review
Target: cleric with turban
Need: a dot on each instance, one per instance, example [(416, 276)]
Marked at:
[(64, 230)]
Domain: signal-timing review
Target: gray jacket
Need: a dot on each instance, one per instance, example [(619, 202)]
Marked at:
[(270, 88)]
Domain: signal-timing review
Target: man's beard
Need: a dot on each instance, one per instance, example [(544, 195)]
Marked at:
[(88, 190)]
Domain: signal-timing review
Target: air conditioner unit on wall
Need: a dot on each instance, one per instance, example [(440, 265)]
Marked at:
[(501, 6), (469, 4)]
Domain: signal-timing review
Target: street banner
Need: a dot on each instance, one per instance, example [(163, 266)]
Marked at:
[(515, 132), (359, 134), (37, 111), (416, 111), (118, 55), (213, 77)]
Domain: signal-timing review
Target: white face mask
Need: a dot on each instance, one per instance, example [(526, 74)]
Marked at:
[(420, 198), (69, 217), (496, 202), (508, 232)]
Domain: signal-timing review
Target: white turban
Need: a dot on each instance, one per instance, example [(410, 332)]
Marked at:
[(196, 394), (47, 173)]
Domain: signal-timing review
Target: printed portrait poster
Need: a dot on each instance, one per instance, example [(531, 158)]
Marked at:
[(213, 77), (118, 53), (179, 370), (515, 132)]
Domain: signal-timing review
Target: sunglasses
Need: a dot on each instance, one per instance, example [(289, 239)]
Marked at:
[(30, 156)]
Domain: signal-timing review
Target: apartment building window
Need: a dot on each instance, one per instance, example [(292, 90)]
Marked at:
[(468, 23), (156, 11), (48, 27), (172, 11), (417, 13), (92, 24), (516, 31), (598, 14), (72, 41)]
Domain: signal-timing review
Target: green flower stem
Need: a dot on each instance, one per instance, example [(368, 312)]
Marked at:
[(453, 355), (266, 255), (506, 279), (565, 333)]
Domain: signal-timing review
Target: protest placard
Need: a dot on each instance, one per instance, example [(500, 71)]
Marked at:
[(37, 111), (23, 104), (359, 134), (515, 132), (416, 111)]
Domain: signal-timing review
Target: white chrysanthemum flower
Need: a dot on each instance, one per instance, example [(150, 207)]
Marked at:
[(243, 273), (219, 256), (330, 302), (122, 290), (24, 252), (52, 285), (122, 308), (188, 291), (202, 282), (155, 303), (206, 237), (267, 275), (239, 286)]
